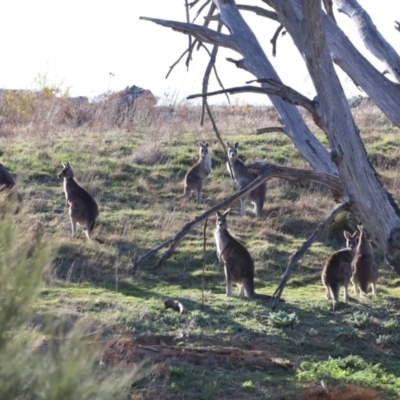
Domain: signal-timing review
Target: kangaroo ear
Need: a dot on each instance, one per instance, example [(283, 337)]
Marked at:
[(228, 144), (347, 235), (64, 165), (207, 144), (200, 144), (360, 227), (218, 214), (227, 212), (237, 144)]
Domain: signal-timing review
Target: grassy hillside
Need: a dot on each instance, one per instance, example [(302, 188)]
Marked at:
[(238, 349)]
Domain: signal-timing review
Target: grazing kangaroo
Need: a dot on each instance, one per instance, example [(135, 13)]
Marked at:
[(196, 175), (83, 208), (364, 268), (238, 264), (243, 177), (337, 270)]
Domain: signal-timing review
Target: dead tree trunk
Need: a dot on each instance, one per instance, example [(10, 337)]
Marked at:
[(370, 201)]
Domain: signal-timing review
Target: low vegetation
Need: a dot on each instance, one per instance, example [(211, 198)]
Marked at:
[(84, 313)]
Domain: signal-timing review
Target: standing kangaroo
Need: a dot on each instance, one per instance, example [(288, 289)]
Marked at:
[(238, 264), (196, 175), (243, 177), (337, 270), (83, 208), (364, 268)]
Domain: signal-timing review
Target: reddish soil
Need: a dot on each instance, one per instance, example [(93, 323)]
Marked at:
[(342, 391), (157, 349)]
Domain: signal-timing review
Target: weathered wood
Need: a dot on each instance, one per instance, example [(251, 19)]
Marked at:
[(259, 11), (383, 92), (298, 174), (288, 94), (371, 37), (329, 9)]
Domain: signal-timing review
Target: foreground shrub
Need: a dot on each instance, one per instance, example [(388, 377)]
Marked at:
[(63, 368)]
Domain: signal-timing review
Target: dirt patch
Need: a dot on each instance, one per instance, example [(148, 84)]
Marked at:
[(124, 353), (159, 349), (339, 392)]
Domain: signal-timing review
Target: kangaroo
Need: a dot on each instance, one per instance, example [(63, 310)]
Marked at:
[(337, 270), (196, 175), (7, 184), (243, 177), (83, 208), (238, 264), (364, 268)]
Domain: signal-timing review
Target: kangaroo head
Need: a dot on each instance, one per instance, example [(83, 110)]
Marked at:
[(364, 241), (221, 219), (203, 149), (66, 171), (351, 239), (233, 151)]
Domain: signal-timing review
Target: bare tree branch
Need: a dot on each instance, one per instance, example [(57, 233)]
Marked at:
[(371, 37), (206, 78), (201, 9), (193, 3), (200, 32), (266, 171), (278, 89), (274, 39), (206, 18), (207, 107), (188, 50), (188, 20), (299, 253), (243, 40), (259, 11), (295, 174)]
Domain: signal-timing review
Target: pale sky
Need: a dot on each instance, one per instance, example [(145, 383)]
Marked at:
[(79, 42)]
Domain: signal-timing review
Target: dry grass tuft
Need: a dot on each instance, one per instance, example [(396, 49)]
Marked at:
[(148, 154)]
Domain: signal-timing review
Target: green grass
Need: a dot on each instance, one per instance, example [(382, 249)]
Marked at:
[(139, 208)]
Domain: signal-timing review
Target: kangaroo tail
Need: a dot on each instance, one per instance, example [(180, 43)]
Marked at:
[(334, 289), (90, 226), (363, 289)]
